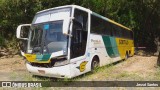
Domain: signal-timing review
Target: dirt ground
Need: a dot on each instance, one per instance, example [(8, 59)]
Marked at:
[(135, 68), (10, 67), (139, 65)]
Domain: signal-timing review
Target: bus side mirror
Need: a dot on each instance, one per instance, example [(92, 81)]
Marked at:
[(66, 26), (22, 33)]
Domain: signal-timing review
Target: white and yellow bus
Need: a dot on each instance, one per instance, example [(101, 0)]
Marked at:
[(67, 41)]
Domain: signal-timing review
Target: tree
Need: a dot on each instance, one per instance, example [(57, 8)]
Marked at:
[(142, 16)]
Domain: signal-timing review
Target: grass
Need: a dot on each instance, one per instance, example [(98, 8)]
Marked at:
[(156, 76), (109, 72), (128, 76), (101, 73), (95, 75), (106, 73)]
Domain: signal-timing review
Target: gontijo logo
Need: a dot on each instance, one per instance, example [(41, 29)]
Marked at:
[(83, 66), (122, 41)]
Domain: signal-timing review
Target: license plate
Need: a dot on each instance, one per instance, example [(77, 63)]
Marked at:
[(41, 71)]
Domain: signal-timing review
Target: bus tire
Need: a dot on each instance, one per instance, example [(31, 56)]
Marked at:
[(95, 63)]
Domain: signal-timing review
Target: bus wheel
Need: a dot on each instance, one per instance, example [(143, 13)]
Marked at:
[(95, 63)]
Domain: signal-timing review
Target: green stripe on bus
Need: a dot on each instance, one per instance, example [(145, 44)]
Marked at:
[(111, 46), (43, 57)]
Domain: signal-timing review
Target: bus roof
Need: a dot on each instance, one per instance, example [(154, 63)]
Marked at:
[(75, 6), (88, 10)]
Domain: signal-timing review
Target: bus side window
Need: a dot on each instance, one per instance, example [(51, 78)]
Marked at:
[(107, 28), (113, 32)]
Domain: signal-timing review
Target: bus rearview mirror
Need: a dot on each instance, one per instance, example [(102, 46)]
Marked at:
[(22, 33), (66, 27)]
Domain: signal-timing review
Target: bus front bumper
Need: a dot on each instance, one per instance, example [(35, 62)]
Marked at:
[(57, 72)]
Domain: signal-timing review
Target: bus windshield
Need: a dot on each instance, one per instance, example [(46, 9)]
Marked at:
[(47, 38), (46, 35)]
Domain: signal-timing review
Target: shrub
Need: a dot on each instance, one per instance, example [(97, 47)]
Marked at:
[(1, 41)]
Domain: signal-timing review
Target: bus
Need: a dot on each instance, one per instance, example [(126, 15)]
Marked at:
[(67, 41)]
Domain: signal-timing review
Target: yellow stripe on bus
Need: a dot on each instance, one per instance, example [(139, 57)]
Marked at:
[(118, 24), (32, 58), (125, 45)]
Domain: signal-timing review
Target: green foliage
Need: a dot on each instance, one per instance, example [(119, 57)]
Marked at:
[(1, 41), (142, 16)]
